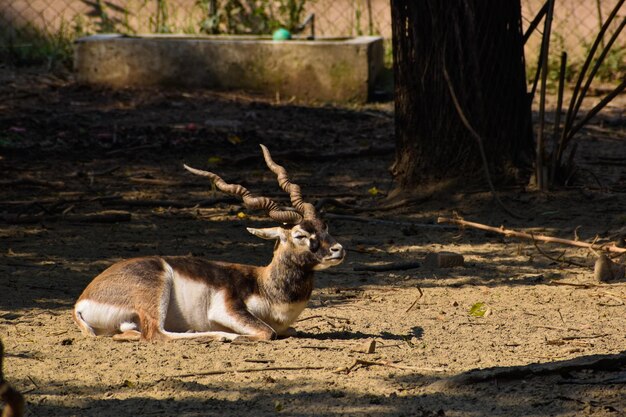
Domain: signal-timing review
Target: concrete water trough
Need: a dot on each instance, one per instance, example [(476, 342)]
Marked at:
[(320, 70)]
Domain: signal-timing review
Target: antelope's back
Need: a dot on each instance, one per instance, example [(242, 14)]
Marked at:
[(123, 280)]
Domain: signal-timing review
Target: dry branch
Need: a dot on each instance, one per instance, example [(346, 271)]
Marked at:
[(365, 363), (559, 259), (574, 284), (32, 182), (301, 155), (392, 266), (360, 219), (248, 370), (416, 300), (523, 235), (110, 216), (141, 202), (157, 181), (106, 171)]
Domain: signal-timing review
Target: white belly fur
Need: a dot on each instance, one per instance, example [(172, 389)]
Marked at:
[(188, 306)]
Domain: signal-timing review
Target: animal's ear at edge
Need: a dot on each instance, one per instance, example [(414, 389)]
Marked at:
[(270, 233)]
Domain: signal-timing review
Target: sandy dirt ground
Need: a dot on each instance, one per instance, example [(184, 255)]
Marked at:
[(67, 151)]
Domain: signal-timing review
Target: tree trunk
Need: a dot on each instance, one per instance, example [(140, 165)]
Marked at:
[(478, 43)]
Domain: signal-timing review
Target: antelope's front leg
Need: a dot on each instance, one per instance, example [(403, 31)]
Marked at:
[(234, 315)]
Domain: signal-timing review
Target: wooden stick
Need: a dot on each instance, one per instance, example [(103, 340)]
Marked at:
[(393, 266), (372, 220), (523, 235), (416, 300), (366, 363), (32, 181), (575, 284), (259, 360), (59, 201), (613, 296), (593, 336), (247, 370), (141, 202), (559, 259), (109, 216), (323, 156), (157, 181)]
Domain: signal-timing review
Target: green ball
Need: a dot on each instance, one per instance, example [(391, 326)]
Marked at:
[(281, 34)]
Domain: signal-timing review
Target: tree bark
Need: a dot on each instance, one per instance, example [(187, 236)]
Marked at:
[(478, 43)]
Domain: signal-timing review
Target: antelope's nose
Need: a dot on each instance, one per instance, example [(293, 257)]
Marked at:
[(337, 250)]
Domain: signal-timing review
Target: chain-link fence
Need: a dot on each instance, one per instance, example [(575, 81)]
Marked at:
[(39, 27)]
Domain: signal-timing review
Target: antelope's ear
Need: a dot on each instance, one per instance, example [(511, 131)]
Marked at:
[(270, 233)]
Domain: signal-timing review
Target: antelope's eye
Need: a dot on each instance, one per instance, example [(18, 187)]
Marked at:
[(299, 237)]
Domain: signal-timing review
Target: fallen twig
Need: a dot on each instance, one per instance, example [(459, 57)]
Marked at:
[(575, 284), (593, 336), (383, 221), (392, 266), (252, 360), (317, 316), (248, 370), (58, 202), (319, 347), (523, 235), (110, 216), (561, 341), (140, 202), (416, 300), (32, 181), (613, 297), (379, 207), (559, 259), (322, 156), (156, 181), (557, 328), (366, 363), (133, 149), (105, 171)]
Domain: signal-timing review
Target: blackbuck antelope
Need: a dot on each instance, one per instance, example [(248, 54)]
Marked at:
[(180, 297), (13, 400)]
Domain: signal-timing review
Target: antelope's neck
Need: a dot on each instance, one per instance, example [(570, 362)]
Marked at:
[(286, 281)]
